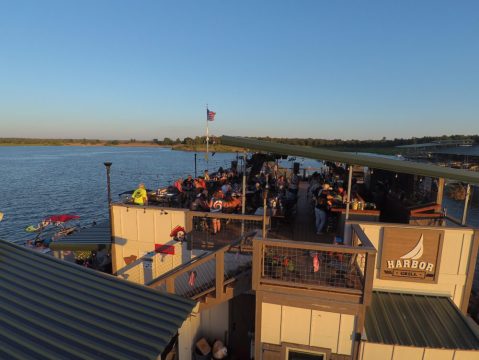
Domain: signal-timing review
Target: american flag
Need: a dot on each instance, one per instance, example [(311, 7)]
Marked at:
[(210, 115)]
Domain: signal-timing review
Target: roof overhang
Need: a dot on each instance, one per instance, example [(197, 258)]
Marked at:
[(399, 166), (94, 238)]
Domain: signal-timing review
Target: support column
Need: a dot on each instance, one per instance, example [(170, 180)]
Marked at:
[(350, 179), (440, 191), (466, 204)]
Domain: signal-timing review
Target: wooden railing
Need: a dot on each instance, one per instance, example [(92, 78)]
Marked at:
[(207, 274), (312, 269)]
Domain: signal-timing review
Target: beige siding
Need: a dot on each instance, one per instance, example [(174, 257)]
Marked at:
[(295, 325), (466, 355), (438, 354), (187, 336), (211, 324), (407, 353), (454, 260), (215, 321), (345, 339), (136, 230), (325, 330), (271, 323), (307, 327), (371, 351)]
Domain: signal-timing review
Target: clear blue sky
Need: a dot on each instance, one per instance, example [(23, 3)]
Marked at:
[(328, 69)]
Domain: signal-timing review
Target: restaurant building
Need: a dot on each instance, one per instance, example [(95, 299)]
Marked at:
[(274, 291)]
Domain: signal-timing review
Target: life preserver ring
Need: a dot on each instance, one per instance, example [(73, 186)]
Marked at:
[(217, 206)]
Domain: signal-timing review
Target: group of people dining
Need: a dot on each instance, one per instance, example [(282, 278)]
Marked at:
[(324, 197), (222, 191)]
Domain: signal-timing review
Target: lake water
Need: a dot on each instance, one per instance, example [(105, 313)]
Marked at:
[(39, 181)]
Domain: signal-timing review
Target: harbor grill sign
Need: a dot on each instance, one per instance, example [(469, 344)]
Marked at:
[(410, 254)]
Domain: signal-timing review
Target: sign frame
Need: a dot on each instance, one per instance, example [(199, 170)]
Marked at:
[(393, 249)]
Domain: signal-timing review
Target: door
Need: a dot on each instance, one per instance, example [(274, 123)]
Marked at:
[(241, 332)]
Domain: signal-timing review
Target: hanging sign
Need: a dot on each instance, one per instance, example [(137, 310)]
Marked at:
[(165, 249), (409, 254)]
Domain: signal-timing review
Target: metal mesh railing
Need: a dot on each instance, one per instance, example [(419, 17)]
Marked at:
[(199, 277), (203, 235), (300, 267), (196, 281)]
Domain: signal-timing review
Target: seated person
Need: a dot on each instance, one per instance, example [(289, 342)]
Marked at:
[(216, 206), (201, 202), (206, 175), (231, 204), (140, 196), (199, 183), (340, 195), (188, 183), (226, 188), (179, 184)]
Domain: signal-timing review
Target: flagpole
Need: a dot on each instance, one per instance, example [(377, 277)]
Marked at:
[(207, 139)]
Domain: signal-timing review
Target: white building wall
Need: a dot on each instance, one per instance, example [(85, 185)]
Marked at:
[(280, 323), (212, 324)]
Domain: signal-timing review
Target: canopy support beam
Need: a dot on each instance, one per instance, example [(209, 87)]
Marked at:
[(466, 204)]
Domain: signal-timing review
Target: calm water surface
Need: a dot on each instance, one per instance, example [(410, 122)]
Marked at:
[(36, 182)]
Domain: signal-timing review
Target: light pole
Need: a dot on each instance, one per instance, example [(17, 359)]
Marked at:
[(108, 166)]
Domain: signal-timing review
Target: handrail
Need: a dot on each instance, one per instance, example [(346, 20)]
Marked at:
[(220, 215), (320, 246)]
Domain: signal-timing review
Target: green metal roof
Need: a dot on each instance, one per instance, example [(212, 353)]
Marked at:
[(51, 309), (374, 162), (418, 320), (93, 238)]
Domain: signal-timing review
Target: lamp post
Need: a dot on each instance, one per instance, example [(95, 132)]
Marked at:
[(108, 166), (112, 251)]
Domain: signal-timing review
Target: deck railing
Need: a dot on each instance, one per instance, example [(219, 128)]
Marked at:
[(199, 226), (312, 268), (208, 273)]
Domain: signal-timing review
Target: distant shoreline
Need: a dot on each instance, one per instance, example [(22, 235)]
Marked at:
[(176, 147)]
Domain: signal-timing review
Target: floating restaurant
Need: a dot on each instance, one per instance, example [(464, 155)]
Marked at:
[(387, 275)]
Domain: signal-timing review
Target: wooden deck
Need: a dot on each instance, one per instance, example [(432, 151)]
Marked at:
[(302, 228)]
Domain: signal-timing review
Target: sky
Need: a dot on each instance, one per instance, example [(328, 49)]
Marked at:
[(121, 69)]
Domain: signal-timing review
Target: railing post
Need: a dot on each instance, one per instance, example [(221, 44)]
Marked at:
[(220, 274), (369, 277), (257, 263), (466, 205), (170, 285)]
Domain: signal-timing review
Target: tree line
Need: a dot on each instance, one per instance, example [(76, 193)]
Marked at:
[(201, 140)]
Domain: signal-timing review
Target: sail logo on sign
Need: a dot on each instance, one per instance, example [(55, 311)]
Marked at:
[(411, 260)]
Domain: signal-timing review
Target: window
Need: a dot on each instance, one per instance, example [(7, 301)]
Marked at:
[(303, 352), (300, 355)]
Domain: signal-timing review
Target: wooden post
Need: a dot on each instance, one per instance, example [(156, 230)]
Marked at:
[(243, 194), (466, 204), (368, 278), (440, 191), (220, 274), (350, 179), (265, 206), (170, 285)]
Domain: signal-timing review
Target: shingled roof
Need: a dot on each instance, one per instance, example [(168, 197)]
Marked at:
[(51, 309)]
